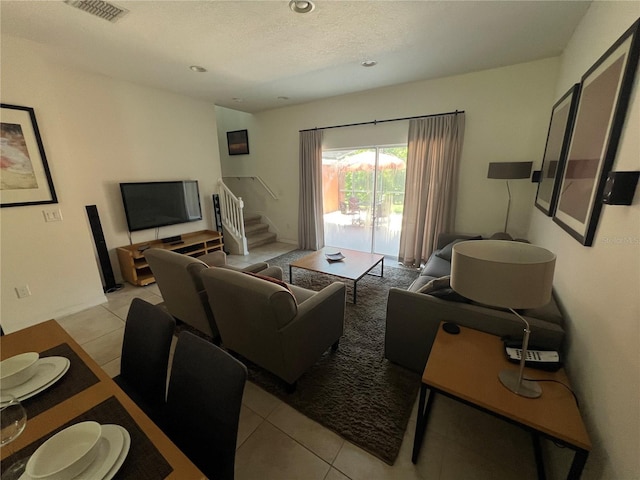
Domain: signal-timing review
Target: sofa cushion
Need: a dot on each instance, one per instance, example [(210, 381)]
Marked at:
[(436, 267), (269, 279), (446, 251), (441, 288)]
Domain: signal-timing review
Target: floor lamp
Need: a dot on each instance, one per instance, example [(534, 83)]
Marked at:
[(505, 274), (509, 171)]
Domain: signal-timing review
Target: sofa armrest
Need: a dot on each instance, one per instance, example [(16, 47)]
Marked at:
[(214, 259), (318, 324), (445, 239), (413, 320)]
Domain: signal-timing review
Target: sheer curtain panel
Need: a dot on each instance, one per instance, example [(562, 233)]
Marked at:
[(310, 220), (434, 148)]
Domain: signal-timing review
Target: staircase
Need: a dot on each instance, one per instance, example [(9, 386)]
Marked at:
[(257, 233)]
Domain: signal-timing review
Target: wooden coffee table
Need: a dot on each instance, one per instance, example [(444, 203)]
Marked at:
[(354, 266), (465, 367)]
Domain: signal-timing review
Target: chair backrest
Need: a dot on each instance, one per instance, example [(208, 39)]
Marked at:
[(250, 312), (203, 404), (178, 278), (145, 350)]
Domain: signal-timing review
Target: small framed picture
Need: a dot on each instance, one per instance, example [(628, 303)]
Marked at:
[(238, 142), (25, 178)]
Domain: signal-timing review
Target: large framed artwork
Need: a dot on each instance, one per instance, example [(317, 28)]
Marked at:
[(555, 151), (25, 178), (602, 107)]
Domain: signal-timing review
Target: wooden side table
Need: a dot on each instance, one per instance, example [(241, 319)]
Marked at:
[(465, 367)]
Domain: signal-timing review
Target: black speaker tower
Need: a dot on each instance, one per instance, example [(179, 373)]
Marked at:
[(217, 213), (109, 281)]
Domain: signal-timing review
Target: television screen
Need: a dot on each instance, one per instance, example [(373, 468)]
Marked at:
[(157, 204)]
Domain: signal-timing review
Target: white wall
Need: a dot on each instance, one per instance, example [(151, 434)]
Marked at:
[(507, 113), (599, 286), (97, 132)]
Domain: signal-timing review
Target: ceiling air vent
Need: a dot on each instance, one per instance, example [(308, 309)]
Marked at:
[(107, 11)]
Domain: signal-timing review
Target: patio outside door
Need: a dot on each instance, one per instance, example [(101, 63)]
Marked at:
[(363, 196)]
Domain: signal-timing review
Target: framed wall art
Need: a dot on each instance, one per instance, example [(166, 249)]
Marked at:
[(604, 98), (555, 151), (238, 142), (25, 178)]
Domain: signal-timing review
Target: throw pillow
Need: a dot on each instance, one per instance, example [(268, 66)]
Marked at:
[(441, 288), (269, 279), (446, 251)]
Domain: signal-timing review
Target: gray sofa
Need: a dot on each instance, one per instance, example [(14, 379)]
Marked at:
[(413, 317)]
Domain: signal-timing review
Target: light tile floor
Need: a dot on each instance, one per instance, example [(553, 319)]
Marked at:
[(276, 442)]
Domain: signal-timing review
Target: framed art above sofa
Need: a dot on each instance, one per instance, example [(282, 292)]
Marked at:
[(602, 107), (555, 151)]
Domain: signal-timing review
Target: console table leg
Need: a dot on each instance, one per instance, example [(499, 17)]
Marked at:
[(421, 421), (579, 460), (537, 451)]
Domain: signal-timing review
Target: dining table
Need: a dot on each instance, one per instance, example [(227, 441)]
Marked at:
[(86, 393)]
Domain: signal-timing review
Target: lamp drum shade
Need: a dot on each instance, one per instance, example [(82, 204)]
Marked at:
[(509, 170), (503, 273)]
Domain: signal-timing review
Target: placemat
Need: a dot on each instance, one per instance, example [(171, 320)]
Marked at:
[(144, 461), (78, 378)]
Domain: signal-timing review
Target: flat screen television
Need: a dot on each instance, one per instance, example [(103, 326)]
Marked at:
[(158, 204)]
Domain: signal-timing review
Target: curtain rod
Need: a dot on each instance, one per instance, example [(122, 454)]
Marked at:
[(375, 122)]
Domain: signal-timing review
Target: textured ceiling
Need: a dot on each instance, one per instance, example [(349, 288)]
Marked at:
[(258, 51)]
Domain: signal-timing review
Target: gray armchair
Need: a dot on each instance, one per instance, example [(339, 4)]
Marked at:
[(282, 329), (178, 278)]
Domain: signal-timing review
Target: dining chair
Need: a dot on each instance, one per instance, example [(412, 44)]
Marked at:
[(145, 356), (203, 405)]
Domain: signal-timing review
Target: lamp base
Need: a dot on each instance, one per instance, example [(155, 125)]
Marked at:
[(511, 380)]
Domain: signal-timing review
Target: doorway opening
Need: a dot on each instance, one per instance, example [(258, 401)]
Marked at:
[(363, 198)]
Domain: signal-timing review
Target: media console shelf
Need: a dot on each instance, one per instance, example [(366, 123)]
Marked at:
[(134, 266)]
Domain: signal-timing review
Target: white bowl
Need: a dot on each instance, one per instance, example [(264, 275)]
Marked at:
[(18, 369), (67, 454)]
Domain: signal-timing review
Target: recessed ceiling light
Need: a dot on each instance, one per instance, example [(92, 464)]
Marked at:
[(301, 6), (197, 68), (369, 63), (283, 98), (238, 99)]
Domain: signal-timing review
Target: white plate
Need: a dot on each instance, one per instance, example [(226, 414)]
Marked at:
[(334, 257), (49, 371), (123, 454), (112, 452)]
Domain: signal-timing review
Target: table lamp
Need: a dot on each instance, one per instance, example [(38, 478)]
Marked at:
[(512, 275)]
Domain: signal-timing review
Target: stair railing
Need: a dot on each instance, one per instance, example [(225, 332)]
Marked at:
[(231, 211), (260, 181)]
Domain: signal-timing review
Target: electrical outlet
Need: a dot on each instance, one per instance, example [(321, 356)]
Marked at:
[(52, 215), (23, 291)]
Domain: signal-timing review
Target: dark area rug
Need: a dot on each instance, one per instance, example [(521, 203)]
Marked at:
[(354, 391)]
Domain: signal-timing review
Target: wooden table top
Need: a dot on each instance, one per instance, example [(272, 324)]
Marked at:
[(466, 366), (49, 334), (354, 266)]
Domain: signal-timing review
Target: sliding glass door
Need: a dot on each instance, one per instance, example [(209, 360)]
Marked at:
[(363, 192)]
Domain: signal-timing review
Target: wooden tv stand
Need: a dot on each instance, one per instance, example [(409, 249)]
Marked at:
[(134, 266)]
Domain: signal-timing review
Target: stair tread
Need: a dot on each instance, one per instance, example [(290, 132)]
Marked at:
[(252, 218), (260, 239), (255, 228)]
